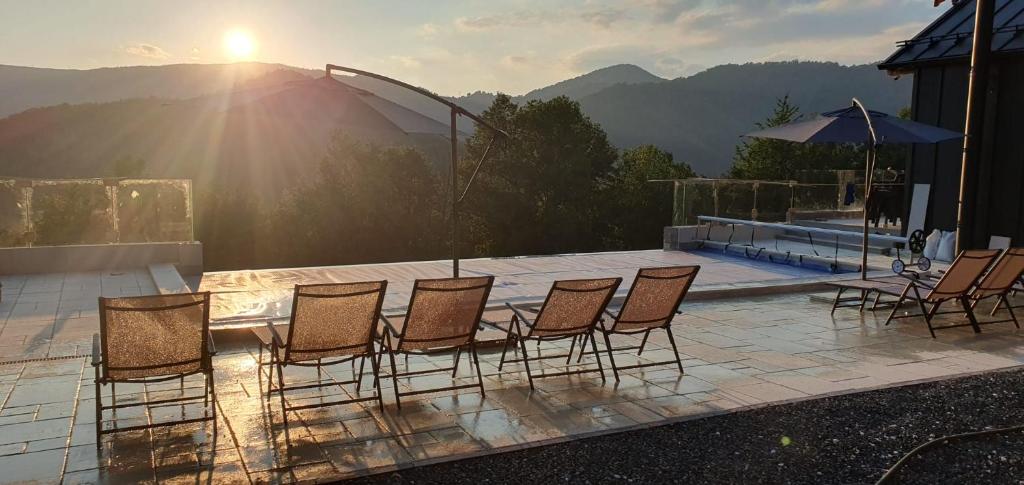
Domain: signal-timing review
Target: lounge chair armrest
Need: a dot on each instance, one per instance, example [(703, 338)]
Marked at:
[(274, 335), (97, 359), (210, 347), (519, 314), (915, 278), (389, 326)]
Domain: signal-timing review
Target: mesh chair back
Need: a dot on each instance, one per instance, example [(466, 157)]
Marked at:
[(333, 320), (149, 336), (444, 313), (574, 306), (654, 297), (963, 274), (1003, 275)]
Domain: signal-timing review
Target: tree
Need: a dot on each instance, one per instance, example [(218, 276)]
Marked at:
[(367, 204), (767, 159), (635, 209), (540, 192)]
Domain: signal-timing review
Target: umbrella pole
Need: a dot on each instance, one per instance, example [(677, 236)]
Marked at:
[(869, 168), (455, 198)]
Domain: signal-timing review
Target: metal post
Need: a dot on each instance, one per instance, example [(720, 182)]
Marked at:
[(455, 196), (984, 11), (869, 168)]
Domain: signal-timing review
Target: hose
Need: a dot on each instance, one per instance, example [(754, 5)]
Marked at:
[(903, 461)]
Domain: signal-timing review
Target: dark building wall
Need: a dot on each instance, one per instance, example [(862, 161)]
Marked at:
[(996, 206)]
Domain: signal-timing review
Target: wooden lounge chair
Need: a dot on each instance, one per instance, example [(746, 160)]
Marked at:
[(443, 315), (330, 324), (148, 339), (955, 284), (651, 303), (571, 310), (865, 289), (999, 282)]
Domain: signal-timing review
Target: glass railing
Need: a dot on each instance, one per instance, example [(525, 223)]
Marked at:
[(759, 200), (37, 212)]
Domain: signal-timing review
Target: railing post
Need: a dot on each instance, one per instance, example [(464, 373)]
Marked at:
[(115, 223), (26, 201), (753, 209), (714, 193)]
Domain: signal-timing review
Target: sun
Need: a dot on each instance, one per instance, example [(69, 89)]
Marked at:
[(239, 45)]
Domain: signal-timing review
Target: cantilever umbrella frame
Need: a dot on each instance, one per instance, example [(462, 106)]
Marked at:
[(816, 131), (456, 111)]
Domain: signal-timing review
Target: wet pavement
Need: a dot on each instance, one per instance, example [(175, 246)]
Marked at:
[(738, 354)]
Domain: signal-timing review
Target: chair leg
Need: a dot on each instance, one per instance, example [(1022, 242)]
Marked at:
[(999, 303), (896, 306), (359, 378), (270, 372), (99, 408), (1009, 308), (970, 314), (213, 400), (611, 358), (394, 377), (835, 303), (672, 340), (376, 380), (280, 392), (929, 314), (583, 348), (455, 368), (508, 337), (476, 363), (572, 345), (597, 356), (526, 357), (643, 343)]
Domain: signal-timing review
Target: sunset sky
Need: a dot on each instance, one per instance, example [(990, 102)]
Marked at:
[(454, 47)]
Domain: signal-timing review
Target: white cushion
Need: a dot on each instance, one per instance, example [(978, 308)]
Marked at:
[(947, 247), (931, 244)]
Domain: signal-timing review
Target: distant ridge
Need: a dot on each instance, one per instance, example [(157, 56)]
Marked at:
[(698, 118), (593, 82)]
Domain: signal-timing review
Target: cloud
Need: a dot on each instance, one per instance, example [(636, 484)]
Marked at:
[(604, 17), (766, 22), (519, 18), (427, 30), (149, 51), (407, 62)]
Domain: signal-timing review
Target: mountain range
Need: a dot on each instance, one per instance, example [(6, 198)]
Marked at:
[(73, 123)]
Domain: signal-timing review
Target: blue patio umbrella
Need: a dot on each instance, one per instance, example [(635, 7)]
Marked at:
[(857, 124)]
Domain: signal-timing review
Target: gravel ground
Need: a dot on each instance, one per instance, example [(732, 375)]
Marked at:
[(845, 439)]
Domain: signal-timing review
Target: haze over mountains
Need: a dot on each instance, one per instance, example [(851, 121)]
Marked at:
[(167, 115)]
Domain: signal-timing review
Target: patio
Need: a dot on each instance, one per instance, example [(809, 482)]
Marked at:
[(739, 353)]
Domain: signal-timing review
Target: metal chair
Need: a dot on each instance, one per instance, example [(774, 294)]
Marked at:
[(571, 310), (148, 339), (651, 303), (954, 285), (330, 324), (443, 315)]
